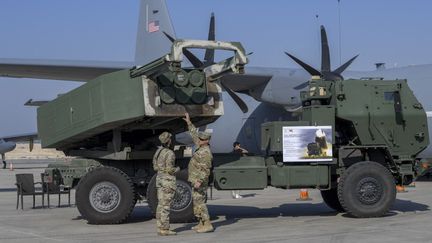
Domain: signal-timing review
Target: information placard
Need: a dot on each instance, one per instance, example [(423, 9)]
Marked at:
[(307, 143)]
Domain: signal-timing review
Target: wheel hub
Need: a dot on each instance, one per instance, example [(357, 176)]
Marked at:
[(182, 197), (369, 191), (105, 197)]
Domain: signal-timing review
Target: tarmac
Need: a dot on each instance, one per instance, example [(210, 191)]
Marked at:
[(270, 215)]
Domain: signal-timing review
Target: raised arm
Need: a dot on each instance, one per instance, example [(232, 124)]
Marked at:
[(192, 129)]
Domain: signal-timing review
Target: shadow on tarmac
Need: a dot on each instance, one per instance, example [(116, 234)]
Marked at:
[(140, 214), (402, 206), (248, 195), (405, 206), (284, 210), (426, 177), (12, 189), (233, 214)]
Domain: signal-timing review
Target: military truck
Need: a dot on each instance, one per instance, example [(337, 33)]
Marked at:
[(355, 140)]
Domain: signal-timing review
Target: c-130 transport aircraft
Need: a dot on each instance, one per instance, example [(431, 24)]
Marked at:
[(260, 95)]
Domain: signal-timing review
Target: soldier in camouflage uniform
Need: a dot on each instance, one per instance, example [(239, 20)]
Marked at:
[(199, 172), (163, 164)]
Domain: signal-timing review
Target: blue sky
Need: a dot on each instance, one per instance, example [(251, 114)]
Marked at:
[(397, 32)]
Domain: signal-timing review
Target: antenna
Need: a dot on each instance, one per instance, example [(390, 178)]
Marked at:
[(318, 32), (340, 42)]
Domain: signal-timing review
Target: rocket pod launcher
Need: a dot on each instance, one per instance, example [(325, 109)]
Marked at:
[(122, 111)]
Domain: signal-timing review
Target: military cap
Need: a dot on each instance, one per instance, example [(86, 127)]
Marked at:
[(165, 137), (204, 135)]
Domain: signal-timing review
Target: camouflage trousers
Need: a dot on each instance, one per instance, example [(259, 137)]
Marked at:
[(199, 206), (166, 187)]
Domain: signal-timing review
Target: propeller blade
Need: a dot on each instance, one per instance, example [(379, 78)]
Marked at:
[(241, 104), (301, 86), (172, 39), (31, 144), (209, 53), (312, 71), (196, 62), (342, 68), (325, 52)]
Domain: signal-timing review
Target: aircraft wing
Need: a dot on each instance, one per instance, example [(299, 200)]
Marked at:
[(58, 69), (21, 137)]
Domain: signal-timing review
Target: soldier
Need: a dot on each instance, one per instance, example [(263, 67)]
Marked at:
[(237, 149), (199, 172), (163, 164)]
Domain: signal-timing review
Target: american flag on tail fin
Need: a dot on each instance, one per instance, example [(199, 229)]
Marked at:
[(153, 26)]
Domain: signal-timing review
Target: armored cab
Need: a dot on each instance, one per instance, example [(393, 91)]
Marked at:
[(379, 120), (355, 140)]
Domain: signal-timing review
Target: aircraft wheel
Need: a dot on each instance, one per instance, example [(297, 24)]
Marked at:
[(182, 206), (330, 198), (367, 189), (105, 195)]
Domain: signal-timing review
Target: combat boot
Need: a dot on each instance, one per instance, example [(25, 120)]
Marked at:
[(164, 232), (198, 226), (206, 227)]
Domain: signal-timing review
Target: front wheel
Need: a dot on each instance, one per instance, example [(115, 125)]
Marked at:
[(181, 206), (367, 189), (105, 195)]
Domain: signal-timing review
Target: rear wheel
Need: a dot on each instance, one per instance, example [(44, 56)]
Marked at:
[(182, 206), (330, 197), (367, 189), (105, 195)]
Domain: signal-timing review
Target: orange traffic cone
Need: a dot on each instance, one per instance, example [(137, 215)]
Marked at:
[(11, 168), (304, 195), (400, 189)]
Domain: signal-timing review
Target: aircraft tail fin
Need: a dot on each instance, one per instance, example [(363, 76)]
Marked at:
[(154, 19)]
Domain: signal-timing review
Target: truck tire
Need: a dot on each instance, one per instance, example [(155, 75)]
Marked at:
[(330, 198), (105, 195), (367, 189), (182, 206)]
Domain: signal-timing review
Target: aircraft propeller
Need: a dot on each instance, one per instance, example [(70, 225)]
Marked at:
[(325, 72), (209, 60)]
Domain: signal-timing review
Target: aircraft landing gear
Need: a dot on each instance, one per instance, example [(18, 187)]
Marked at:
[(4, 161)]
